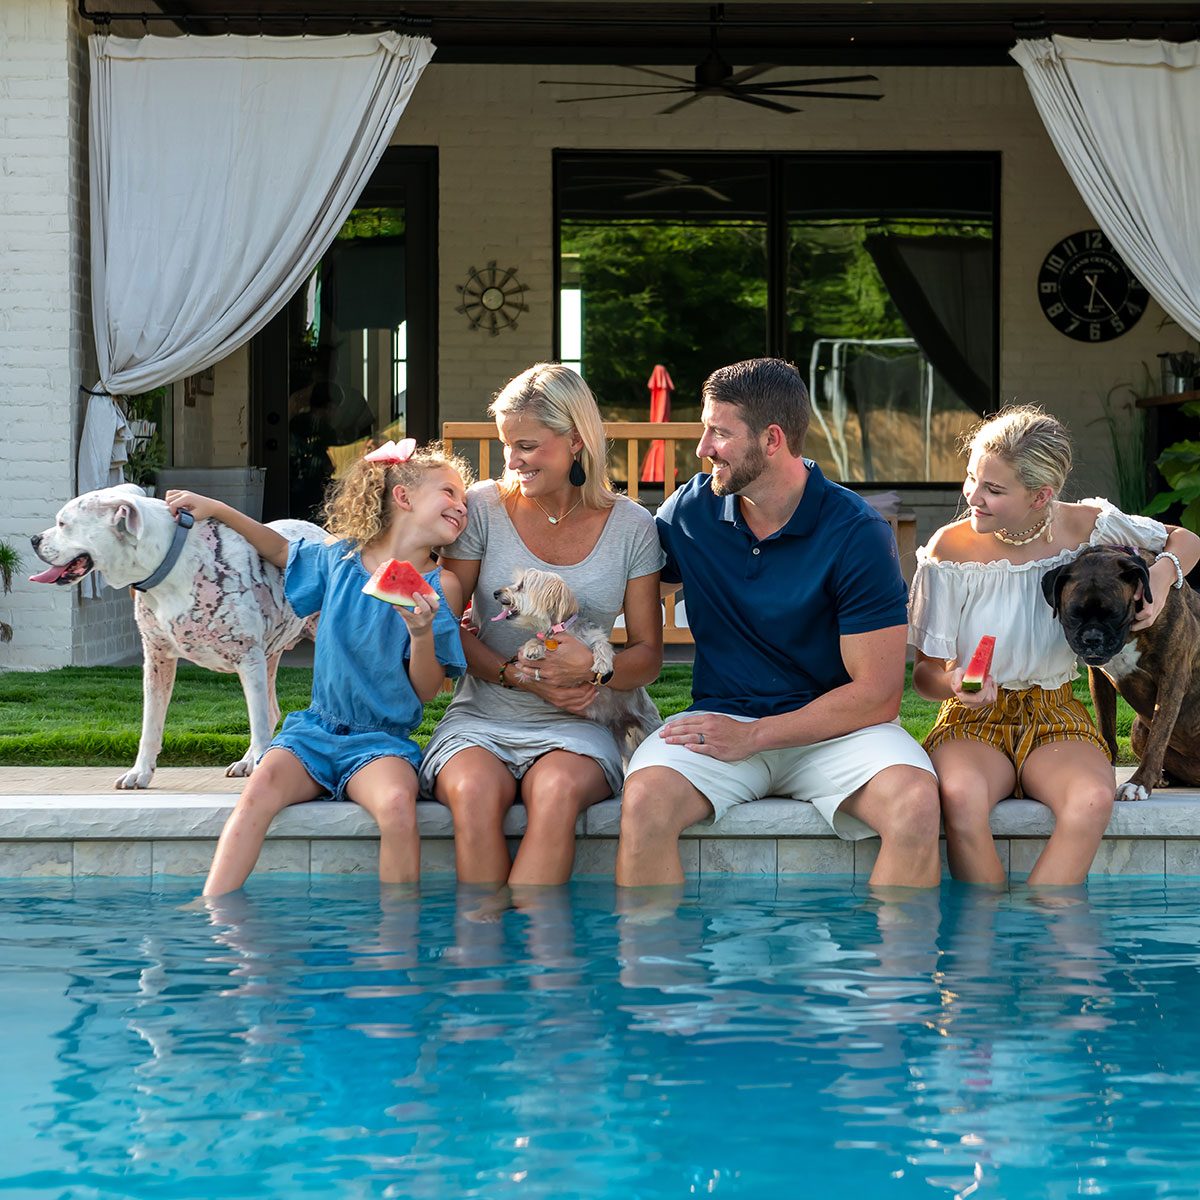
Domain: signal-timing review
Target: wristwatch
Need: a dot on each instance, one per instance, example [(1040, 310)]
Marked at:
[(1178, 567), (599, 680)]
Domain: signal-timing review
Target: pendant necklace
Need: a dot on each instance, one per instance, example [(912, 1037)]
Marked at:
[(1043, 526), (555, 520)]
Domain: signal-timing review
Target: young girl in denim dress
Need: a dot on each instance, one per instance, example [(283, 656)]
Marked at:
[(375, 665)]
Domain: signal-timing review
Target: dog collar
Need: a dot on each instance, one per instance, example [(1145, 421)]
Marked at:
[(559, 628), (183, 522)]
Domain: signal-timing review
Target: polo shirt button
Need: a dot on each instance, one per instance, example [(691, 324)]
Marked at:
[(755, 550)]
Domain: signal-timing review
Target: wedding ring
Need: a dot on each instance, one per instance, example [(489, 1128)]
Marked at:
[(701, 736)]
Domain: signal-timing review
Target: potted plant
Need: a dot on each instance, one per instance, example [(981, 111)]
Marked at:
[(147, 451), (147, 456), (10, 564)]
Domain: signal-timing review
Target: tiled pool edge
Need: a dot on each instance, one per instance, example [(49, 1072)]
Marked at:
[(173, 833)]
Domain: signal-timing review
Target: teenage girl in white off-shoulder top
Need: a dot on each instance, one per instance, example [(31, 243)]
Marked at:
[(1024, 733)]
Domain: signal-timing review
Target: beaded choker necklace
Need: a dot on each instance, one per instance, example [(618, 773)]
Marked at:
[(1043, 526)]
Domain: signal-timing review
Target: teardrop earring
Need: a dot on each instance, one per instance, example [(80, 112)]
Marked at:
[(577, 476)]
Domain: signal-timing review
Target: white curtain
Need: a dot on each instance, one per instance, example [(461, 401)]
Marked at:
[(1123, 116), (221, 170)]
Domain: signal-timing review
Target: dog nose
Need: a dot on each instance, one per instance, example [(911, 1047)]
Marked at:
[(496, 593), (36, 540), (1091, 639)]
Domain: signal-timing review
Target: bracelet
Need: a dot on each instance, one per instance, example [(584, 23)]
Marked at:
[(599, 680), (1178, 567), (504, 667)]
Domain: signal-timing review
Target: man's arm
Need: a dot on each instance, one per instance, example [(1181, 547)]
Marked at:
[(875, 663)]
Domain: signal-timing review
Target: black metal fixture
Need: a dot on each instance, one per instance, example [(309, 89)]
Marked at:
[(715, 77)]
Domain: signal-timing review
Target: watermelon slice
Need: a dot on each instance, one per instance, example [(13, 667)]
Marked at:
[(397, 582), (980, 664)]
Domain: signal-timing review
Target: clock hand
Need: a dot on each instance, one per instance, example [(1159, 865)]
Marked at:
[(1096, 292)]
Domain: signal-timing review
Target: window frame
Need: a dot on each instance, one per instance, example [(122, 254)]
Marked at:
[(776, 211)]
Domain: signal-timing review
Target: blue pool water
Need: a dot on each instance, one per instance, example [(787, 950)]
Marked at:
[(760, 1039)]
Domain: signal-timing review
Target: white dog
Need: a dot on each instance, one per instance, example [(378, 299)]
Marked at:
[(200, 593), (542, 601)]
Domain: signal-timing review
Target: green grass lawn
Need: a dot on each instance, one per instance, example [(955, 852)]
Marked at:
[(91, 716)]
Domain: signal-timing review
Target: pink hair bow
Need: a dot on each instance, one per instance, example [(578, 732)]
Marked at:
[(392, 452)]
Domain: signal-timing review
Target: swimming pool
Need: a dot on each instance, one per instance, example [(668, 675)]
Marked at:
[(764, 1038)]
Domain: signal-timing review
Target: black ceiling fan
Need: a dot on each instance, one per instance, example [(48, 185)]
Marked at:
[(715, 77)]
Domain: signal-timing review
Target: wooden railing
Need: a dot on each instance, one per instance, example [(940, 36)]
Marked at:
[(679, 440)]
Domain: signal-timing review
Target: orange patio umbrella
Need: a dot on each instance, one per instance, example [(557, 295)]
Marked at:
[(661, 387)]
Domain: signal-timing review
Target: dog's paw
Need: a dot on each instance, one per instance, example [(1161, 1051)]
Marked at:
[(1132, 791), (241, 769), (134, 778), (533, 649)]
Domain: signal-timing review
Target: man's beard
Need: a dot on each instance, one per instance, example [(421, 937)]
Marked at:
[(741, 476)]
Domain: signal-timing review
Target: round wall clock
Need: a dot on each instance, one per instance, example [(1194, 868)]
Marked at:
[(1087, 291), (492, 299)]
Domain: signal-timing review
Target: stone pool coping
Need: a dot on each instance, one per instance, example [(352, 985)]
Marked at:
[(72, 824)]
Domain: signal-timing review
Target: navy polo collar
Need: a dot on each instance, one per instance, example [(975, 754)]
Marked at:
[(803, 521)]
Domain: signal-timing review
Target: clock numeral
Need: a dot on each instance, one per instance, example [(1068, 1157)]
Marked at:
[(1095, 239), (1049, 287), (1074, 325), (1070, 247), (1094, 331), (1118, 324), (1053, 263), (1055, 309), (1134, 310)]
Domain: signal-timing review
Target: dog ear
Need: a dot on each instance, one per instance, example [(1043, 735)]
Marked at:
[(1132, 567), (126, 518), (560, 600), (1052, 585)]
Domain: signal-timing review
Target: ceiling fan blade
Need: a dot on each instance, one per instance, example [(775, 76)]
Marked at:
[(775, 83), (601, 83), (660, 74), (815, 95), (681, 104), (666, 91), (747, 99), (750, 73)]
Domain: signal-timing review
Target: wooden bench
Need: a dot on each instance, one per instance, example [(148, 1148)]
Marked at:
[(630, 442)]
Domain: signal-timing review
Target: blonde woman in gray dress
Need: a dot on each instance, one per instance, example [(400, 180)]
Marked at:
[(517, 730)]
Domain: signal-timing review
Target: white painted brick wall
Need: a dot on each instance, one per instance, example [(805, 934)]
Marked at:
[(45, 338)]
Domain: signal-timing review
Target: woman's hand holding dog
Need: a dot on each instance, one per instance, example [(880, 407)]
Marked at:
[(568, 665)]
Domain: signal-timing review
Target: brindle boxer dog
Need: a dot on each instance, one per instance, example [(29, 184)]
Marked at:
[(1096, 597), (203, 594)]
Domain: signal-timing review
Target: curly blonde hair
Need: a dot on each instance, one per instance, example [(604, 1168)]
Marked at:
[(358, 507)]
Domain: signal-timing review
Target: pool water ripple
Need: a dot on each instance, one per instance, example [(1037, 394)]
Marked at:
[(758, 1038)]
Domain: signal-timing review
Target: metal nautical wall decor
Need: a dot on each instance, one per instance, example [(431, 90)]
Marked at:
[(1086, 290), (492, 299)]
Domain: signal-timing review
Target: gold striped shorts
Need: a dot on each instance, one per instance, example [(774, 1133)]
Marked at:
[(1017, 723)]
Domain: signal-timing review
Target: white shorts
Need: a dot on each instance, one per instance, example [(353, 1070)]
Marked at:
[(824, 773)]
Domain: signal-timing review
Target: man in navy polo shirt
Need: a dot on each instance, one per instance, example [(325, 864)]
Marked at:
[(798, 610)]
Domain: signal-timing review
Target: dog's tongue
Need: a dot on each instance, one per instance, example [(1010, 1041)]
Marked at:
[(503, 614), (49, 575)]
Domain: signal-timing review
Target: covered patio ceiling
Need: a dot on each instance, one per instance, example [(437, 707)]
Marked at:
[(937, 32)]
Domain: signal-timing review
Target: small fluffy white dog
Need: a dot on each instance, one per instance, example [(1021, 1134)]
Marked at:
[(540, 600)]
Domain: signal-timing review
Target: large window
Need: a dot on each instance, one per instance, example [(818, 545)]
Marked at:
[(873, 273)]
